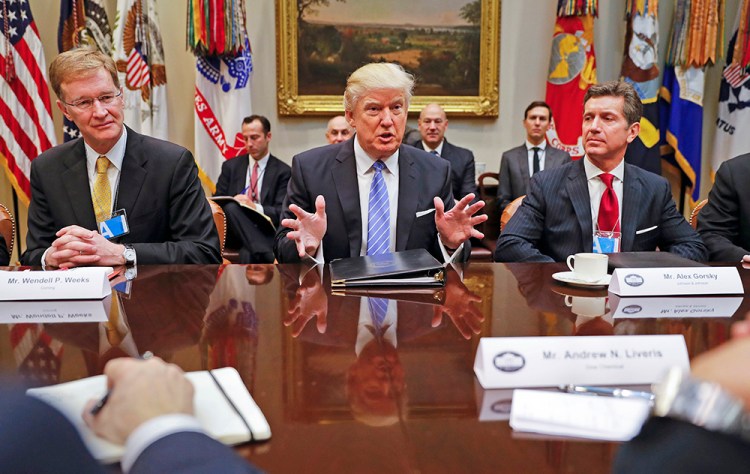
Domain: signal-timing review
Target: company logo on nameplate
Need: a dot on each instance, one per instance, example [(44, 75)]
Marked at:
[(508, 362)]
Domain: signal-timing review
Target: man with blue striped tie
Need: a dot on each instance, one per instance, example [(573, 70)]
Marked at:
[(371, 194)]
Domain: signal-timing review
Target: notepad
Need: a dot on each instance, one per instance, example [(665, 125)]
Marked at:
[(214, 413), (579, 416)]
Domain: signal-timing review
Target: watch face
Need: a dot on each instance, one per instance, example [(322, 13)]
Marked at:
[(129, 255)]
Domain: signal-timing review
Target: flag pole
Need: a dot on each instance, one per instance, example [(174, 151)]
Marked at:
[(18, 222)]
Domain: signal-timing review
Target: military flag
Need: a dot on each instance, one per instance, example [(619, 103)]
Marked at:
[(26, 127), (733, 121), (224, 68), (82, 23), (572, 70), (640, 69), (139, 55)]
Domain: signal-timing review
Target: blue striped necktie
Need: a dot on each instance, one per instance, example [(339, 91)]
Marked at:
[(378, 214)]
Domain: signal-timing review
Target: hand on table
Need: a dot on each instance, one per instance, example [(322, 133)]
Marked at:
[(77, 247)]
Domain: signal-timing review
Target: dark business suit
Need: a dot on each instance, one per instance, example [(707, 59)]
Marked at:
[(667, 445), (256, 245), (514, 171), (463, 174), (331, 171), (170, 220), (34, 437), (554, 220), (724, 223), (4, 255)]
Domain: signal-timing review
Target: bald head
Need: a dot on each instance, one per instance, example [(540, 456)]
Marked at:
[(432, 125), (338, 130)]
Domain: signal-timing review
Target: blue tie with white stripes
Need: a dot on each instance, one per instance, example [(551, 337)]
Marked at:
[(378, 214)]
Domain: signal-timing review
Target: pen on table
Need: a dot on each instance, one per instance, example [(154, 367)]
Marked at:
[(103, 401), (608, 391)]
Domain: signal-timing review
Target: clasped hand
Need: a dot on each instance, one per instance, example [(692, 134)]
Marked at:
[(79, 247)]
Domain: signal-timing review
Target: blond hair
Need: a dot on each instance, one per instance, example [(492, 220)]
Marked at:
[(79, 62), (376, 76)]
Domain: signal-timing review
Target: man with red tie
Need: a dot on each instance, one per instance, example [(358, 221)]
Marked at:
[(258, 183), (599, 203)]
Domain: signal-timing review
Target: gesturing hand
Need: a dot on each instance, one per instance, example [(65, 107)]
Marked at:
[(460, 307), (457, 225), (310, 301), (307, 229)]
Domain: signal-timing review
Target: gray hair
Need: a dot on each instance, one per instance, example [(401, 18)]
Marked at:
[(376, 76), (632, 107)]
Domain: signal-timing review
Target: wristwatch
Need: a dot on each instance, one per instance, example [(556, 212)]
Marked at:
[(129, 255), (702, 403)]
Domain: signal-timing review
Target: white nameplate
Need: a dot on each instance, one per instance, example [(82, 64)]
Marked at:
[(70, 311), (688, 307), (676, 281), (84, 283), (495, 405), (513, 362), (579, 416)]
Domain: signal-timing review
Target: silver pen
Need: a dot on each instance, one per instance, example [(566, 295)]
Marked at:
[(607, 391)]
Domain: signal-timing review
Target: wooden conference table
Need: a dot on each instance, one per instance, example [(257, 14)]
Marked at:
[(407, 404)]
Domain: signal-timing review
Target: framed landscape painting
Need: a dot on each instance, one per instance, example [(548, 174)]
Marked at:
[(451, 46)]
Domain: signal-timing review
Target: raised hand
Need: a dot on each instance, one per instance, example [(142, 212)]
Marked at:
[(457, 225), (307, 229)]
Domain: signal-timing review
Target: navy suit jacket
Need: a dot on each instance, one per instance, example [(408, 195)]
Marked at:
[(331, 171), (34, 437), (463, 171), (554, 220), (273, 183), (169, 217), (514, 171), (724, 223)]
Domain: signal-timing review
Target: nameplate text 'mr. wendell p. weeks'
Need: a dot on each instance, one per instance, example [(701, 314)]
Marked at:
[(86, 283)]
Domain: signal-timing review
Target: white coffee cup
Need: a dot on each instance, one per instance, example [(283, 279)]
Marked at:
[(584, 306), (589, 267)]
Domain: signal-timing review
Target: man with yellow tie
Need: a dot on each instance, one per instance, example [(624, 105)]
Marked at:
[(113, 196)]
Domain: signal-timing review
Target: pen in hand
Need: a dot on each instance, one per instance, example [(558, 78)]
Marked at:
[(103, 401)]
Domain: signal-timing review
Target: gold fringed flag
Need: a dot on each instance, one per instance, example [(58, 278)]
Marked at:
[(639, 68), (222, 82), (572, 69), (733, 120)]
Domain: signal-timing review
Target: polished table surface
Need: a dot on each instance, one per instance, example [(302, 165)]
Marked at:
[(336, 400)]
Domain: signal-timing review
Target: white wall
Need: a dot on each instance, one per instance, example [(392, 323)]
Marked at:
[(526, 33)]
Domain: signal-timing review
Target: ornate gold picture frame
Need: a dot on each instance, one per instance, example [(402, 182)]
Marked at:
[(422, 47)]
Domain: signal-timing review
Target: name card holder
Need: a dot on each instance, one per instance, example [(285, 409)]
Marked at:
[(676, 281), (674, 307), (85, 283), (514, 362)]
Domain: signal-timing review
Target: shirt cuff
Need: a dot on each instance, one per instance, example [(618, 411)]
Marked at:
[(447, 258), (259, 208), (44, 257), (152, 431)]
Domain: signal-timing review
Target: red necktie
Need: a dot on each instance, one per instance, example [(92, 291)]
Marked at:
[(253, 191), (609, 208)]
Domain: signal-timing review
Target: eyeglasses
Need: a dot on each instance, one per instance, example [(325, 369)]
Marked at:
[(86, 104)]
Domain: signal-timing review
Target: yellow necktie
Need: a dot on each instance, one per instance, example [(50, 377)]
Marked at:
[(115, 334), (102, 194)]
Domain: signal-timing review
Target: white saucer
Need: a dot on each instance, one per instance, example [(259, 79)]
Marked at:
[(567, 277)]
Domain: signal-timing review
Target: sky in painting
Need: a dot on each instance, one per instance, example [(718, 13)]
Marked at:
[(395, 12)]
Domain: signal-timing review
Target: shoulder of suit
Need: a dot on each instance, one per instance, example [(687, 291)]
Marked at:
[(632, 171), (54, 154), (455, 148), (277, 162), (422, 158), (166, 149)]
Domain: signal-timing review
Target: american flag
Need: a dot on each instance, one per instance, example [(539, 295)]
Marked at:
[(137, 73), (25, 108), (735, 75)]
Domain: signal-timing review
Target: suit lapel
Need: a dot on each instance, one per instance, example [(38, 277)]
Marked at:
[(132, 175), (345, 180), (408, 190), (240, 177), (631, 199), (578, 191), (76, 181), (524, 163), (269, 177)]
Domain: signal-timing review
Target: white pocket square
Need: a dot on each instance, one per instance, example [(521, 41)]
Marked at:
[(425, 212), (643, 231)]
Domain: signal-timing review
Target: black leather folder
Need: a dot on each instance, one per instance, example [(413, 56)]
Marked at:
[(408, 268), (649, 260)]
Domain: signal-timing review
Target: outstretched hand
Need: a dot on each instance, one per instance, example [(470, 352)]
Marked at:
[(307, 229), (457, 225)]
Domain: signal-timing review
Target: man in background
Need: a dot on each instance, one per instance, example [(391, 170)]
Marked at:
[(432, 126), (338, 130), (519, 164), (257, 180)]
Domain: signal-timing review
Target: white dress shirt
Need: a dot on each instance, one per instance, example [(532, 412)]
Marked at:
[(542, 155)]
